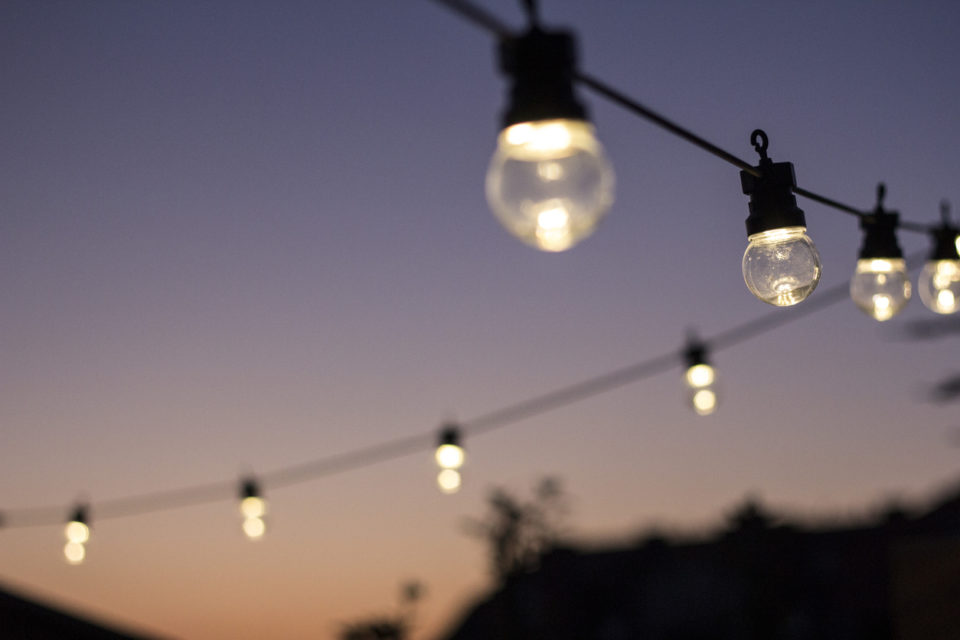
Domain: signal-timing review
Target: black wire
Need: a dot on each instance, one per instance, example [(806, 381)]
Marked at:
[(492, 24), (408, 445)]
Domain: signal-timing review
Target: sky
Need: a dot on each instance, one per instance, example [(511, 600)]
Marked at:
[(239, 235)]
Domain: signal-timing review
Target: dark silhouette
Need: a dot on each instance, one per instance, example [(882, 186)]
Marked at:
[(893, 577), (518, 533), (395, 627), (22, 619)]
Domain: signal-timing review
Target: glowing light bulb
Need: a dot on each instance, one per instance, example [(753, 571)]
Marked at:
[(450, 456), (254, 527), (549, 182), (77, 532), (700, 375), (781, 266), (74, 552), (449, 453), (704, 401), (449, 480), (880, 287), (939, 286), (253, 507)]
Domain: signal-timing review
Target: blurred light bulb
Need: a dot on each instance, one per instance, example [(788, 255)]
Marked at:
[(549, 182), (939, 286), (77, 532), (880, 287), (449, 480), (74, 552), (253, 507), (781, 266), (704, 401), (254, 527), (700, 375), (450, 456)]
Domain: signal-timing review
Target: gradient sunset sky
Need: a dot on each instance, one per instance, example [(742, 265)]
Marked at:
[(238, 235)]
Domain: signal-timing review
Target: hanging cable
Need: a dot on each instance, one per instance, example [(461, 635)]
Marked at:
[(404, 446), (493, 25)]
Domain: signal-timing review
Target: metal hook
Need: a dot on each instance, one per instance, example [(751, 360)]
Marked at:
[(881, 194), (532, 9), (760, 142)]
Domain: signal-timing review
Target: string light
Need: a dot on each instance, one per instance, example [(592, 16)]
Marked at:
[(77, 533), (450, 457), (780, 266), (880, 286), (700, 377), (254, 508), (767, 184), (939, 282), (549, 182)]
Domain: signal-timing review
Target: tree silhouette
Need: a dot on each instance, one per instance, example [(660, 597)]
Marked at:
[(396, 627), (518, 533)]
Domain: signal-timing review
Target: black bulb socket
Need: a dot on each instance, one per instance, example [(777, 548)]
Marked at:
[(695, 353), (80, 515), (945, 243), (772, 203), (450, 435), (541, 66), (249, 489), (880, 235)]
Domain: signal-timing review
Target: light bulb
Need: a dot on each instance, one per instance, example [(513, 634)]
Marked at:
[(549, 182), (704, 401), (449, 480), (939, 286), (700, 375), (880, 287), (74, 552), (449, 456), (253, 507), (77, 532), (781, 266), (254, 527)]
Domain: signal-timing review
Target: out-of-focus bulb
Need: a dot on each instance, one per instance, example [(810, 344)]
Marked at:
[(549, 182), (880, 287), (77, 532), (939, 286), (74, 552), (450, 456), (253, 507), (704, 401), (449, 480), (700, 375), (781, 266), (254, 527)]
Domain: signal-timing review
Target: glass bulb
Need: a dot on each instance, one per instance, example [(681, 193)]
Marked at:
[(449, 456), (704, 401), (254, 527), (880, 287), (77, 532), (700, 375), (74, 552), (939, 285), (549, 182), (449, 480), (781, 266), (253, 506)]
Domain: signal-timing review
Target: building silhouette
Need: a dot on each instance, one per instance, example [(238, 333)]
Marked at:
[(896, 577), (23, 618)]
